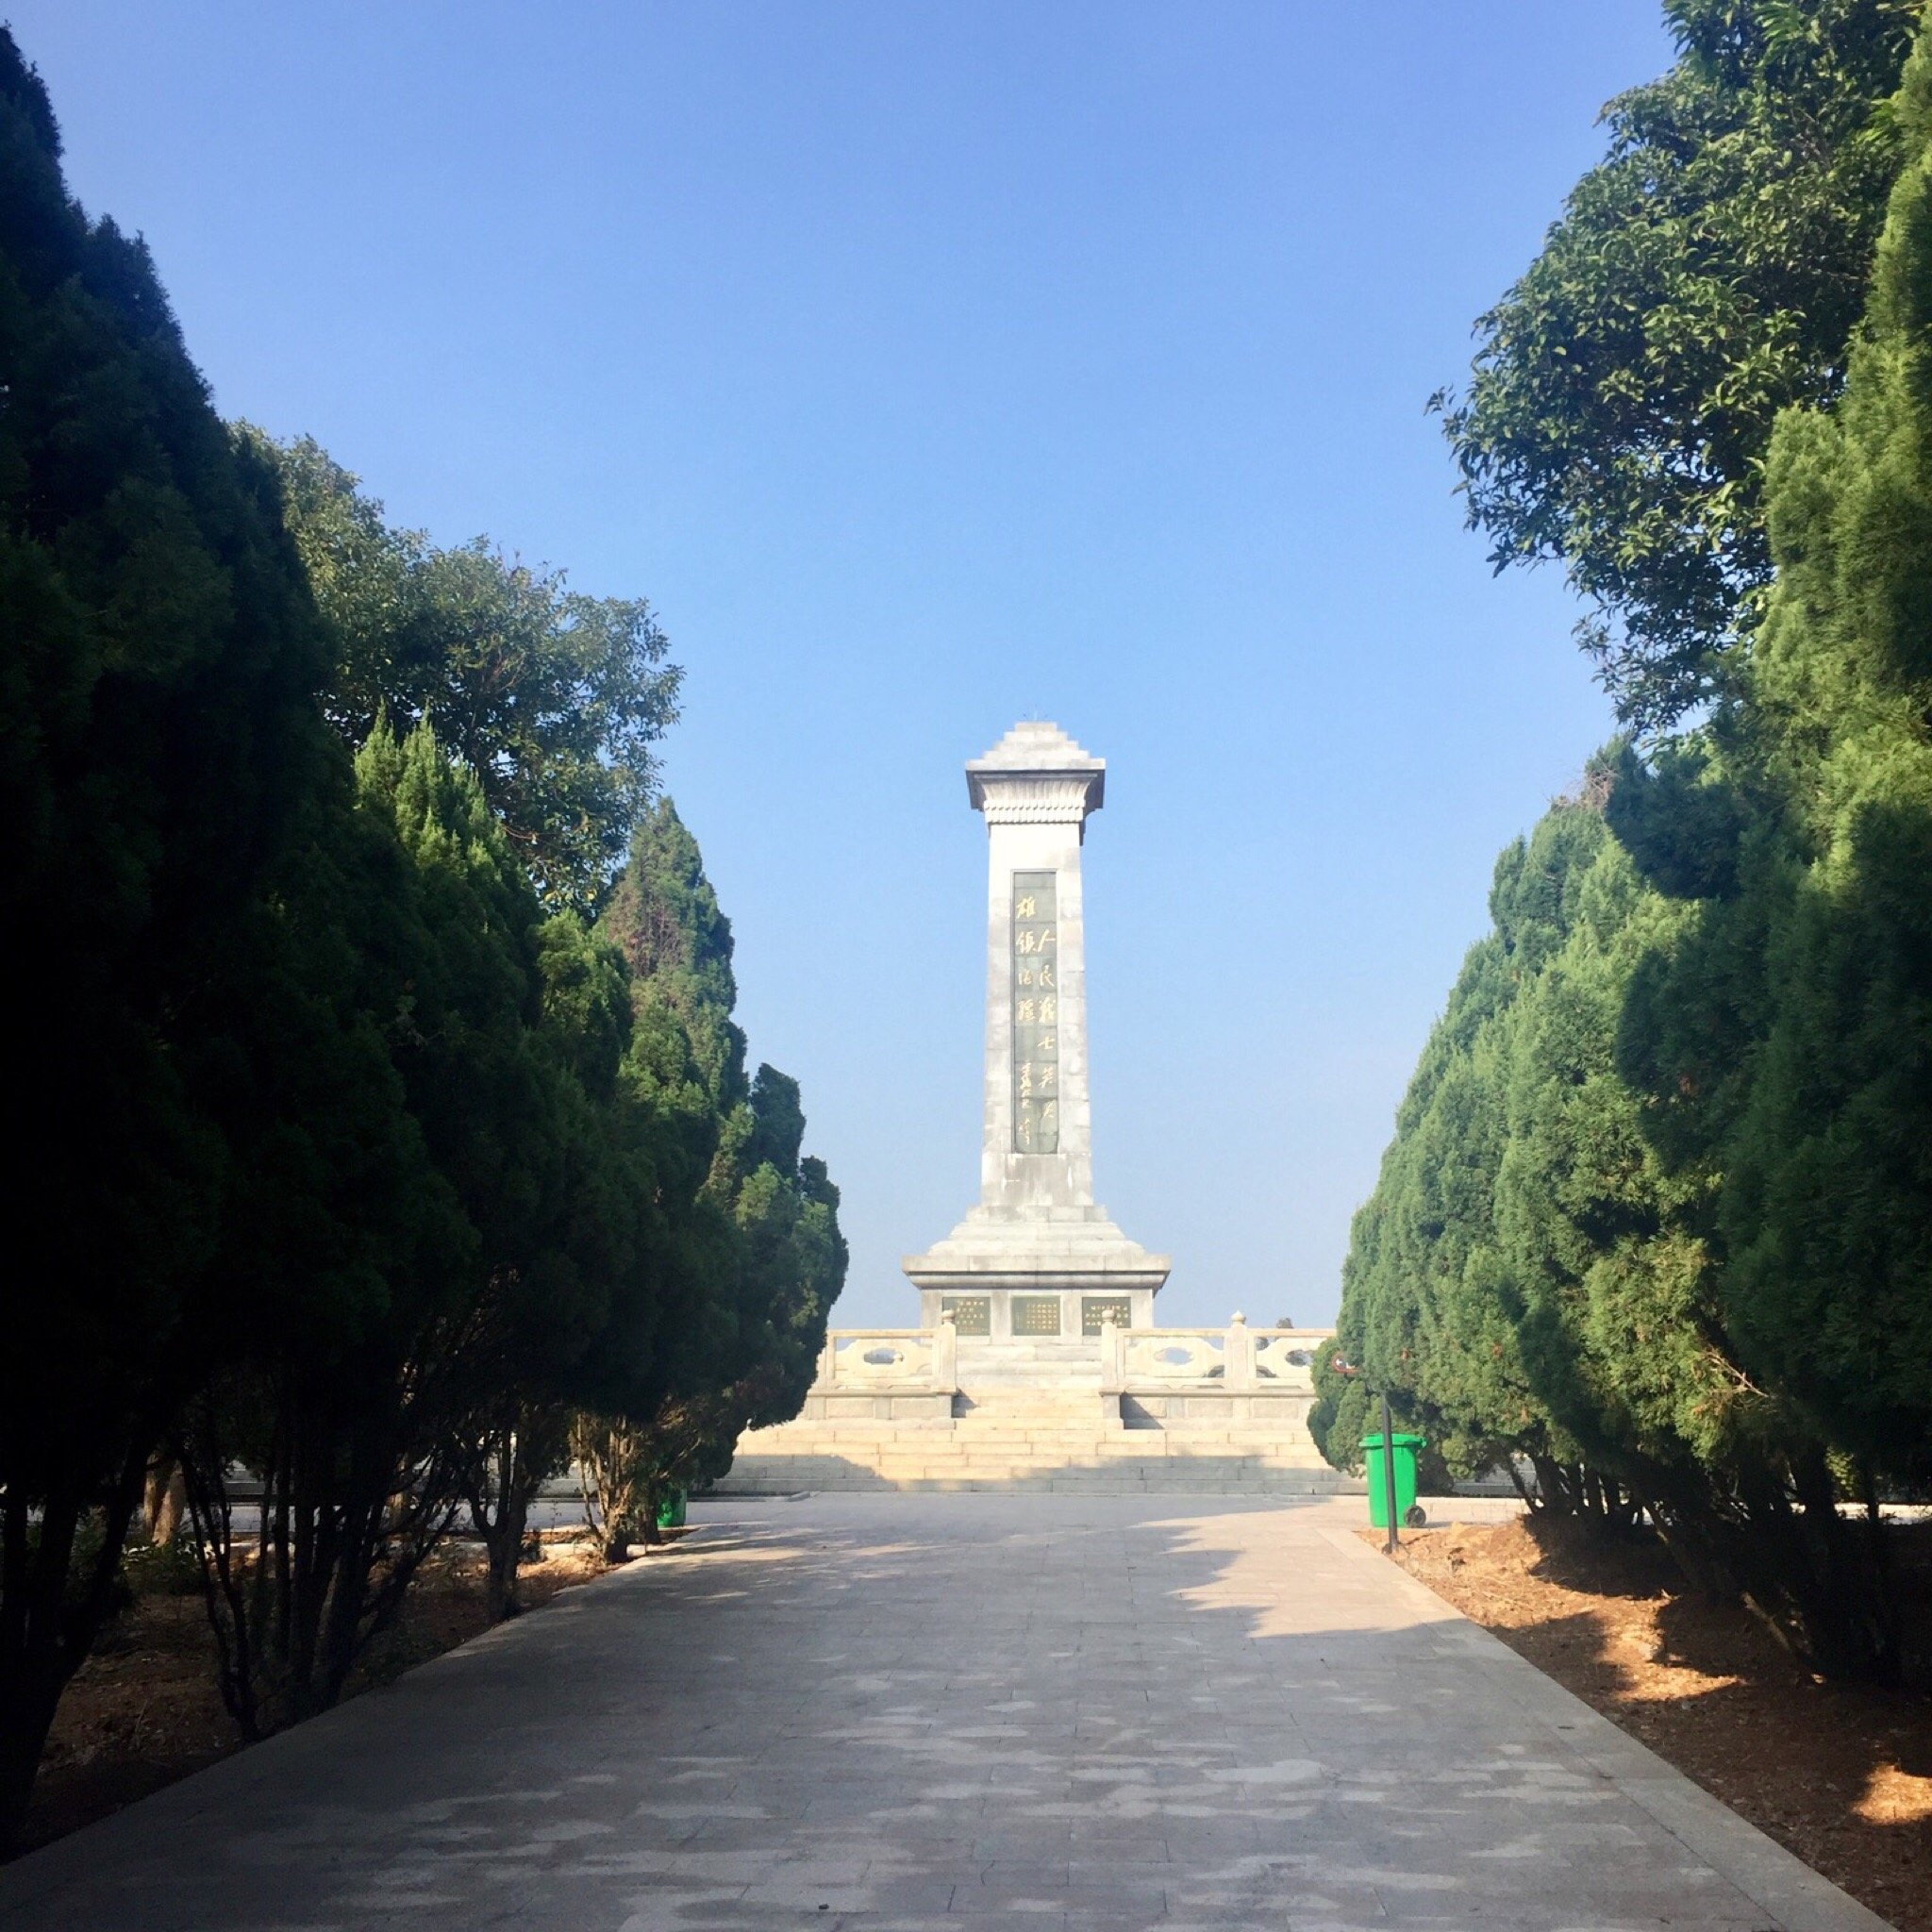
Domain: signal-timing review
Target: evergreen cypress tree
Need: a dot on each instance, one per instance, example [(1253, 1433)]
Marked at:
[(1829, 1215), (1697, 1239), (1603, 1250), (437, 1300), (159, 738), (1430, 1310), (1788, 1041), (758, 1235)]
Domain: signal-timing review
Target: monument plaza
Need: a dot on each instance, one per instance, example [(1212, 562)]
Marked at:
[(903, 1713)]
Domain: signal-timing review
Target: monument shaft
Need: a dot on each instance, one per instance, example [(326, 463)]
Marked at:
[(1038, 1146)]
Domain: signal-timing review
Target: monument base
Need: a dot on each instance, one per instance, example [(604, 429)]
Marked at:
[(970, 1456), (1031, 1274), (1207, 1410)]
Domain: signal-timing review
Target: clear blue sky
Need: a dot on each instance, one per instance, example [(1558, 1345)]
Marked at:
[(930, 366)]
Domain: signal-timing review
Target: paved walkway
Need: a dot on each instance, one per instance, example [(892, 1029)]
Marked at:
[(902, 1712)]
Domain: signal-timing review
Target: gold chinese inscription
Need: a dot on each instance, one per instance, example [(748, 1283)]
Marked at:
[(1036, 1013), (1036, 1314), (972, 1313)]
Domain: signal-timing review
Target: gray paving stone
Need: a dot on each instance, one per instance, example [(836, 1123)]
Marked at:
[(905, 1712)]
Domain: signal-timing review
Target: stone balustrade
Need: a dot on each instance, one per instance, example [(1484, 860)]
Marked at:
[(1237, 1375), (1240, 1359), (889, 1374), (890, 1357), (1124, 1411), (1143, 1377)]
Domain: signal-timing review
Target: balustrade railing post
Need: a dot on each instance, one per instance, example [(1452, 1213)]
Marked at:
[(1113, 1355), (945, 1353), (1237, 1355)]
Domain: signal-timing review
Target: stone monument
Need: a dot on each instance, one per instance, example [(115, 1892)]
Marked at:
[(1035, 1257), (1036, 1363)]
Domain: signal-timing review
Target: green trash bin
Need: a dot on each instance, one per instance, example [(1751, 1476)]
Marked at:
[(1405, 1450), (671, 1507)]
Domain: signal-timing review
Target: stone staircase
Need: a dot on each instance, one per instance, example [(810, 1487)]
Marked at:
[(1034, 1425), (1009, 1372)]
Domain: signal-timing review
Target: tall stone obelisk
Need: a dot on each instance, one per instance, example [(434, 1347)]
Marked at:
[(1035, 1257)]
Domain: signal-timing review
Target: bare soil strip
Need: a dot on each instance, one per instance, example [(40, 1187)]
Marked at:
[(143, 1710), (1841, 1775)]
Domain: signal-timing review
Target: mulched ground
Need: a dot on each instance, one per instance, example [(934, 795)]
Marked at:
[(143, 1710), (1840, 1774)]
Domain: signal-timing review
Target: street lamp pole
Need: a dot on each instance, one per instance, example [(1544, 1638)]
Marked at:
[(1389, 1473), (1343, 1366)]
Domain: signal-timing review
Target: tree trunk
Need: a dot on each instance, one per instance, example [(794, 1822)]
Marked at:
[(505, 1549), (503, 1532), (29, 1700), (609, 1468), (49, 1618), (164, 1499), (502, 1482)]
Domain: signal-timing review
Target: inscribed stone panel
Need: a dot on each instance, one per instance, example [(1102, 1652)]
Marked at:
[(1036, 1314), (1036, 1013), (972, 1313)]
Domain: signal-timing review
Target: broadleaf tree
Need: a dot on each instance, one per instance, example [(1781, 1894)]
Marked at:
[(554, 699), (1706, 275)]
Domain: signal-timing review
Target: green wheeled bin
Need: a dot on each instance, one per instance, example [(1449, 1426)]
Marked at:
[(1406, 1449), (671, 1507)]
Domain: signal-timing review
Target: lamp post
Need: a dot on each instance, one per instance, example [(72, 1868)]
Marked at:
[(1343, 1366)]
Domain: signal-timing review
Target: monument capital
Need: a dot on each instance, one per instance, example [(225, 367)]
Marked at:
[(1036, 775)]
